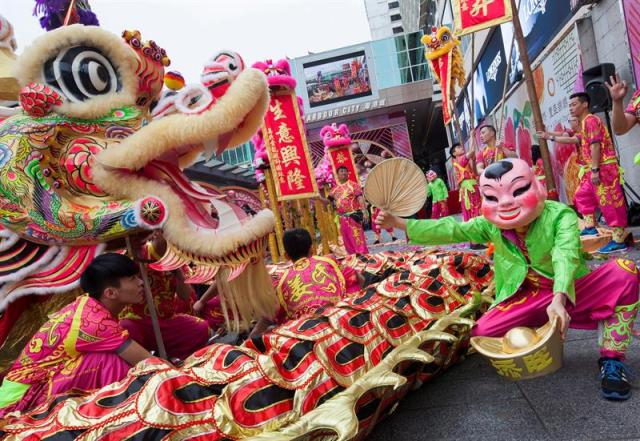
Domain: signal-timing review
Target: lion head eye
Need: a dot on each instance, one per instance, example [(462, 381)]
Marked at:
[(81, 73)]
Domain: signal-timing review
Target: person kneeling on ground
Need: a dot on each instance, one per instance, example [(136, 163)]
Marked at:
[(82, 346), (310, 283), (539, 270)]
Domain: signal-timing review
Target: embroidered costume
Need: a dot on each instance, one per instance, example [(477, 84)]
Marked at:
[(349, 209), (76, 349), (469, 192), (538, 255), (439, 197), (312, 282), (607, 195)]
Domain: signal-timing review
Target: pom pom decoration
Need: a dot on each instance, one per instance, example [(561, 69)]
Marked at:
[(174, 80)]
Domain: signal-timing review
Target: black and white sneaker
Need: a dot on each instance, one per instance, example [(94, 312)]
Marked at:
[(616, 379)]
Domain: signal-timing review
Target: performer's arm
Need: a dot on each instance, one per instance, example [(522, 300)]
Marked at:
[(565, 259), (623, 120), (132, 352), (438, 232), (183, 290), (565, 254), (198, 306), (558, 137)]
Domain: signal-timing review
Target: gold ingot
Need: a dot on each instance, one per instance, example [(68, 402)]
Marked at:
[(523, 353), (519, 339)]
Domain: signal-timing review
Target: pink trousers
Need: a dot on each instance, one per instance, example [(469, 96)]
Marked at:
[(96, 369), (439, 209), (599, 295), (182, 334), (607, 195), (353, 236)]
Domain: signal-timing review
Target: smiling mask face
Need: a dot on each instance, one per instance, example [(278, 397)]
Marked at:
[(511, 195)]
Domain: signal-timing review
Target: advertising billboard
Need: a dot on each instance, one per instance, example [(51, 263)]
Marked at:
[(339, 78), (489, 76)]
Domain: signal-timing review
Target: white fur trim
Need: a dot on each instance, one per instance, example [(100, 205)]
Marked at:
[(240, 112), (48, 290), (27, 270), (10, 238), (30, 64)]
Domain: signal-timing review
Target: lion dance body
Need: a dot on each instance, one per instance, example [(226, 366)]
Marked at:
[(87, 163)]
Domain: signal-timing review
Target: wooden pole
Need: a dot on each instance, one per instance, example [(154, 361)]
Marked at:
[(155, 323), (506, 78), (324, 228), (271, 190), (67, 17), (273, 246), (533, 99)]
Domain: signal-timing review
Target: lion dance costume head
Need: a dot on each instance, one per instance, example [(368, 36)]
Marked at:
[(86, 163), (447, 64)]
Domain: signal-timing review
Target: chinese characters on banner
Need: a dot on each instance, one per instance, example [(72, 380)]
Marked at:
[(341, 156), (474, 15), (287, 149)]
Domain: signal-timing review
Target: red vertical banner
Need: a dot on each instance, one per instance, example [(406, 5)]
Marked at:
[(287, 148), (475, 15), (342, 156)]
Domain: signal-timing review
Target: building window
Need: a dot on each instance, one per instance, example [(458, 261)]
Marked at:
[(396, 17), (398, 30), (393, 5)]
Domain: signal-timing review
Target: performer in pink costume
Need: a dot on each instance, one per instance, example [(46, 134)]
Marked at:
[(539, 270), (377, 230), (81, 347), (494, 150), (347, 197), (466, 180), (182, 334), (600, 184)]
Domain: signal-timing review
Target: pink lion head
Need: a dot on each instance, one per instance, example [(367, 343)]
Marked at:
[(334, 135), (278, 74)]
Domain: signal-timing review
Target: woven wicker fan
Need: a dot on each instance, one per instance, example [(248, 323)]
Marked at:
[(397, 186)]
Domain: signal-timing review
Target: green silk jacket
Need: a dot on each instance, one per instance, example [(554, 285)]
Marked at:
[(437, 190), (553, 244)]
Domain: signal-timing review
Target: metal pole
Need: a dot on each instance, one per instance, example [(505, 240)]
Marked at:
[(155, 323), (533, 99)]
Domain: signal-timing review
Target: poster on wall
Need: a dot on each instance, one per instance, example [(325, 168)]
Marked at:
[(541, 21), (489, 76), (632, 20), (335, 79), (555, 81)]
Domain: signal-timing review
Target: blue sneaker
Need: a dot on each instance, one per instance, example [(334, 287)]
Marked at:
[(591, 231), (616, 379), (612, 247)]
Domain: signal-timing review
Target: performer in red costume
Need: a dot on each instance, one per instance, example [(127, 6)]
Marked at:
[(347, 197), (182, 334)]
